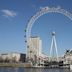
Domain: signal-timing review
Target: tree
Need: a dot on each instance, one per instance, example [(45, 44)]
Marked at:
[(6, 60), (1, 59), (14, 59)]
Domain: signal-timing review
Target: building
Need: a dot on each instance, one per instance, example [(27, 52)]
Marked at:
[(12, 57), (22, 57), (61, 58), (34, 48), (68, 57)]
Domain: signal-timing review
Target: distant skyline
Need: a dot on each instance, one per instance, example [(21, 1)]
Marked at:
[(14, 16)]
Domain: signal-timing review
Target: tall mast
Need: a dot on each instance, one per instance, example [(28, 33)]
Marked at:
[(53, 46)]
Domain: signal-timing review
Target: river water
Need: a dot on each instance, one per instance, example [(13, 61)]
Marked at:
[(8, 69)]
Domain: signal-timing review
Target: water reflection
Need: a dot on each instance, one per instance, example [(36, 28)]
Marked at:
[(10, 69), (45, 70), (33, 70)]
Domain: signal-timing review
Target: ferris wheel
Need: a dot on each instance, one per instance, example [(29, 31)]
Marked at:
[(41, 12)]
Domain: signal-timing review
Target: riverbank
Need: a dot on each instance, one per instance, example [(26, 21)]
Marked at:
[(28, 65), (15, 65)]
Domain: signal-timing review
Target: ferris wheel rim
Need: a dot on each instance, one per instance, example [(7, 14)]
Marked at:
[(43, 11)]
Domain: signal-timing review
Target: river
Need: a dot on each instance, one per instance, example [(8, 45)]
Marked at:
[(10, 69)]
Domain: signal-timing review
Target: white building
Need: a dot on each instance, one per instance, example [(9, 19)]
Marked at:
[(34, 51), (68, 57), (35, 48), (10, 56), (44, 57)]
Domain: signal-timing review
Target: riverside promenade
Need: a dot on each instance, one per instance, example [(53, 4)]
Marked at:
[(15, 65), (28, 65)]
